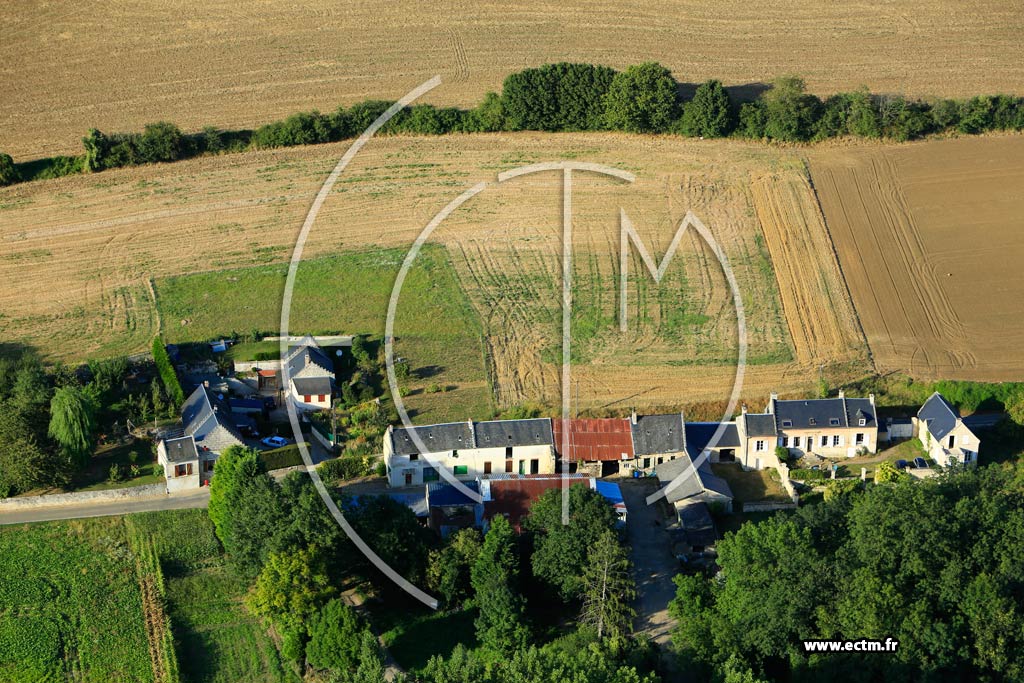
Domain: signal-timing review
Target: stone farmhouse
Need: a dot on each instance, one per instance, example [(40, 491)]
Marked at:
[(944, 435), (208, 426), (310, 376)]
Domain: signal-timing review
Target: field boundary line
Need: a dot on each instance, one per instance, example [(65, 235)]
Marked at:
[(156, 306), (839, 263)]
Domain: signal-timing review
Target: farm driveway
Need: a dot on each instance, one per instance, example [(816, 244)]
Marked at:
[(653, 563)]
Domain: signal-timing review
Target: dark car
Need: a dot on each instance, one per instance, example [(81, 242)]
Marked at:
[(901, 464), (920, 463)]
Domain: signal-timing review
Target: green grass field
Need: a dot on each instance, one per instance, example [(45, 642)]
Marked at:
[(70, 604), (436, 328), (71, 607)]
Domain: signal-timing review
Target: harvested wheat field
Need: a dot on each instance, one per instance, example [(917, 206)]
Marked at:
[(72, 244), (930, 237), (67, 66)]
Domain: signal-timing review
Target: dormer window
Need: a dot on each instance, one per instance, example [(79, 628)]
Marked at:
[(812, 422), (834, 421), (862, 422), (787, 423)]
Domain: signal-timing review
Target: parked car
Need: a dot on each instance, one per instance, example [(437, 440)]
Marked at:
[(901, 464), (275, 441), (249, 431), (920, 463)]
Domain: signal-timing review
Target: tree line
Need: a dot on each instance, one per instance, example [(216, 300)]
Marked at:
[(281, 539), (52, 416), (644, 98), (935, 564)]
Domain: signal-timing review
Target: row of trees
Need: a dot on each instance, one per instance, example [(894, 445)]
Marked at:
[(644, 98), (282, 538), (934, 564)]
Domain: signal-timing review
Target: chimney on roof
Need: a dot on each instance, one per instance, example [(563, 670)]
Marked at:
[(871, 399), (307, 355), (632, 416), (842, 394), (743, 408), (206, 383), (472, 434), (774, 396)]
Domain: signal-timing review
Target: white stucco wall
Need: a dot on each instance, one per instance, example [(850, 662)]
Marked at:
[(473, 459)]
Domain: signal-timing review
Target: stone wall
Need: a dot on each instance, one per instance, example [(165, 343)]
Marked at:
[(109, 495)]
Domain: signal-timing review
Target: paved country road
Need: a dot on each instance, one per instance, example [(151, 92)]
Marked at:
[(177, 501)]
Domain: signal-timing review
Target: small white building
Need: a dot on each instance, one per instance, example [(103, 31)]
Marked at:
[(944, 435), (310, 376), (208, 428), (468, 450)]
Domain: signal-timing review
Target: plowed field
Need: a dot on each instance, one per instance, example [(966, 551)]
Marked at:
[(931, 240)]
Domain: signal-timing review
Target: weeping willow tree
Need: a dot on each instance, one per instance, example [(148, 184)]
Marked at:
[(73, 423)]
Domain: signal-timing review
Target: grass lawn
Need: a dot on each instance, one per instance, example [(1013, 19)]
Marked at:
[(905, 450), (247, 351), (70, 604), (218, 641), (748, 487), (436, 327), (96, 477), (414, 634), (727, 523)]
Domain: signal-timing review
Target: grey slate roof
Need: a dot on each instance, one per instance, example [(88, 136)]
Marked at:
[(309, 357), (181, 449), (653, 434), (698, 436), (759, 424), (698, 525), (822, 412), (207, 418), (437, 438), (310, 386), (705, 480), (939, 415), (503, 433)]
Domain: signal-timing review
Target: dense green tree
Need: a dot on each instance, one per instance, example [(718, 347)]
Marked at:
[(709, 113), (8, 171), (291, 588), (945, 113), (560, 552), (641, 99), (161, 141), (753, 119), (863, 120), (448, 573), (23, 464), (335, 637), (933, 564), (556, 97), (790, 113), (398, 538), (73, 423), (371, 667), (501, 623), (486, 117), (608, 589), (247, 509), (886, 472)]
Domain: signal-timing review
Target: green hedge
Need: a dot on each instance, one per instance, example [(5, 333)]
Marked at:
[(807, 475), (279, 458), (557, 97), (167, 373), (345, 467)]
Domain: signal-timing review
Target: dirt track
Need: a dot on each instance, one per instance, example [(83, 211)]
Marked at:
[(67, 66), (929, 238)]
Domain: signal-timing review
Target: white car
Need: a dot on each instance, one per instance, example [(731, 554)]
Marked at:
[(275, 441)]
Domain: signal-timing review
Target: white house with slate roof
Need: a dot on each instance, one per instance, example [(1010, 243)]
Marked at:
[(310, 376), (829, 427), (207, 428), (469, 450), (944, 434)]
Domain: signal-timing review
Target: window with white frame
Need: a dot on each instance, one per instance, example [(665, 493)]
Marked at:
[(835, 441), (861, 422), (859, 438), (824, 440), (759, 445), (785, 442), (787, 423), (796, 442), (834, 421)]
